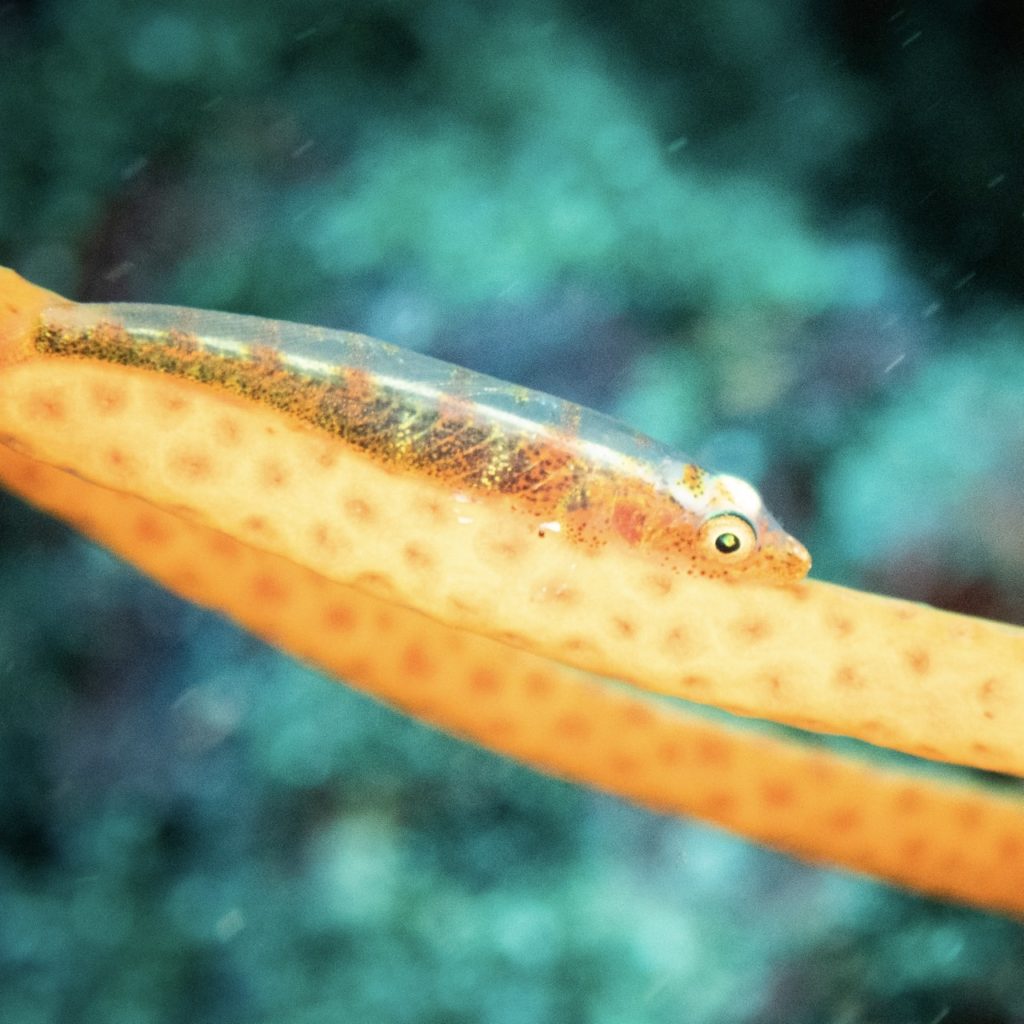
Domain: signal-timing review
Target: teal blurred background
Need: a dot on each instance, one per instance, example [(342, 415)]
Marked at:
[(785, 237)]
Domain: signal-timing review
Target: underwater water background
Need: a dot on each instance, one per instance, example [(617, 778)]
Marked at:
[(786, 237)]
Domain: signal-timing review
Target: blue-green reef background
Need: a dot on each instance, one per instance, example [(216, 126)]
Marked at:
[(788, 237)]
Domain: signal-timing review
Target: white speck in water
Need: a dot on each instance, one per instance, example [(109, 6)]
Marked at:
[(228, 926), (117, 272), (135, 167), (896, 362)]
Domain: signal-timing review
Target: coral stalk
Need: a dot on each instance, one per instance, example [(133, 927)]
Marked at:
[(235, 505)]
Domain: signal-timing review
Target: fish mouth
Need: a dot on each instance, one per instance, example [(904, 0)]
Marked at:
[(783, 559), (793, 560)]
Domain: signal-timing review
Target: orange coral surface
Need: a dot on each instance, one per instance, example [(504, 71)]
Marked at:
[(144, 464)]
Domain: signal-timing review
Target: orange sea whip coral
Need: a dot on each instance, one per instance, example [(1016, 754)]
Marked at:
[(210, 490)]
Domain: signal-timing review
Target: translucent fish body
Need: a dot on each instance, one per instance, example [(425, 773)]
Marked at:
[(569, 470)]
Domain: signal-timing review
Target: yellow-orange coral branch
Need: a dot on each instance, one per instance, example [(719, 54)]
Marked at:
[(323, 552), (943, 839)]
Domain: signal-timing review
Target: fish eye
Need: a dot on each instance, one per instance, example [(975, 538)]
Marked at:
[(728, 536)]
